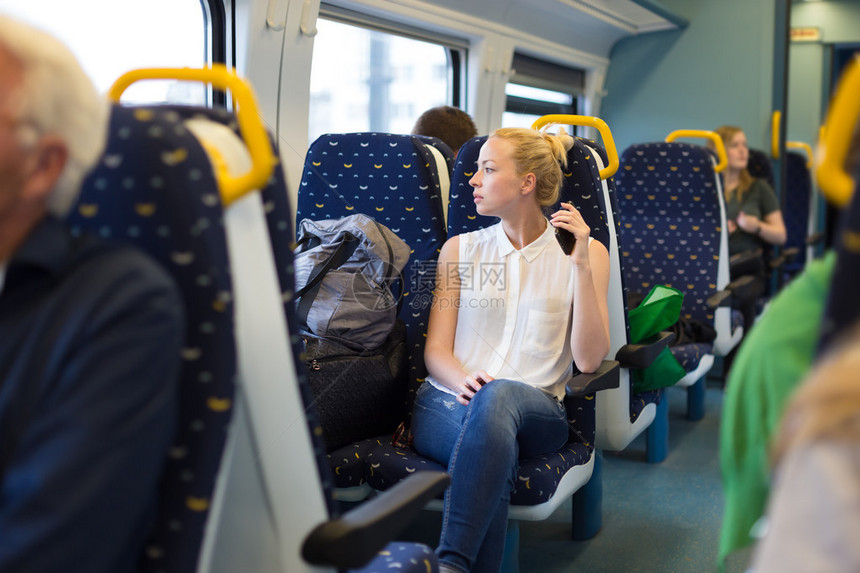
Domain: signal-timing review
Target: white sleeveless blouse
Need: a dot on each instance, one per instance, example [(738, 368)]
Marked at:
[(515, 310)]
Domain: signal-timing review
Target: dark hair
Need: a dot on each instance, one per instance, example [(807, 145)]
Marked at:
[(450, 124)]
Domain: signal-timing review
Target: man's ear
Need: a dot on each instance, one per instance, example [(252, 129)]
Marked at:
[(47, 160), (529, 182)]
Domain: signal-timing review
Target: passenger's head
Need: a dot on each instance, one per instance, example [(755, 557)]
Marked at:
[(450, 124), (53, 112), (735, 142), (540, 153), (737, 154)]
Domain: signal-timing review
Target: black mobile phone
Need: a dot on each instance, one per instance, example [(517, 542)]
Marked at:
[(566, 240)]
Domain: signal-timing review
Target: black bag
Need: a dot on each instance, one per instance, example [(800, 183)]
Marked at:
[(357, 394)]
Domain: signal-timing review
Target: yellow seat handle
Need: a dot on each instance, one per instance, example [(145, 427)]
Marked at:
[(713, 136), (587, 121), (776, 118), (835, 183), (253, 133), (805, 147)]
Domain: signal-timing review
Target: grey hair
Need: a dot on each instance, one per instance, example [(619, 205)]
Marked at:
[(57, 97)]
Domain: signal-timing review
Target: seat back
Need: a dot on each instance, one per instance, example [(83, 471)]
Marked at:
[(154, 189), (797, 210), (842, 309), (673, 219), (392, 178)]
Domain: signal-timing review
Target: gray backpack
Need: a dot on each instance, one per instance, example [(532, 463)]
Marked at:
[(346, 272)]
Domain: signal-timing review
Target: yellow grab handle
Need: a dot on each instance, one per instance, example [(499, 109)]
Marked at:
[(774, 133), (587, 121), (804, 146), (252, 130), (704, 134), (837, 185)]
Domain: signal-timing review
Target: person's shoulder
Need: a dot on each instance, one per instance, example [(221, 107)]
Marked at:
[(760, 185), (111, 266)]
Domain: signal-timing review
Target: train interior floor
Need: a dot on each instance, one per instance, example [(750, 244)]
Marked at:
[(657, 518)]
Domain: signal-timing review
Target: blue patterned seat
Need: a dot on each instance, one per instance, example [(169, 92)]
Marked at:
[(673, 217), (291, 475), (152, 189), (672, 210), (797, 212), (394, 179)]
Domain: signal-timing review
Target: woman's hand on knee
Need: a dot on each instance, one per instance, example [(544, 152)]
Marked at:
[(471, 384)]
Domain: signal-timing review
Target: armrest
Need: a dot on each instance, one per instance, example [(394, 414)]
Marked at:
[(740, 262), (721, 297), (744, 288), (785, 257), (606, 377), (353, 539), (815, 239), (643, 354)]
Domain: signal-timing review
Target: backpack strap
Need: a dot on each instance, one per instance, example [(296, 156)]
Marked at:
[(308, 293)]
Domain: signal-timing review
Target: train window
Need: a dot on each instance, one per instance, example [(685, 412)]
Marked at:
[(538, 88), (111, 37), (524, 104), (366, 77)]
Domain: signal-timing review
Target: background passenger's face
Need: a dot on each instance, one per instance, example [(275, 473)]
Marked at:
[(12, 155), (496, 182), (737, 151)]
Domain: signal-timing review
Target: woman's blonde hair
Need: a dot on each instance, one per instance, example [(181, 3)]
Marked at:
[(543, 154), (745, 179), (827, 405)]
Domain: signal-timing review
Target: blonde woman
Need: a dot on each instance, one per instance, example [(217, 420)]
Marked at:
[(512, 313)]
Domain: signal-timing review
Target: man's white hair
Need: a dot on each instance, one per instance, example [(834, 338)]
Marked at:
[(57, 97)]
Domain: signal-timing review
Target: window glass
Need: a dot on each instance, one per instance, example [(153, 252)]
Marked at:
[(368, 80), (525, 104), (111, 37)]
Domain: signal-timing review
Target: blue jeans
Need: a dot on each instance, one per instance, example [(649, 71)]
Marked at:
[(481, 444)]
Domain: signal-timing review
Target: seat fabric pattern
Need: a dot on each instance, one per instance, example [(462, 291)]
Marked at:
[(154, 189), (393, 179), (671, 218), (403, 557), (348, 462), (443, 148)]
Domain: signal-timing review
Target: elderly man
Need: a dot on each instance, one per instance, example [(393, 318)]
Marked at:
[(91, 335)]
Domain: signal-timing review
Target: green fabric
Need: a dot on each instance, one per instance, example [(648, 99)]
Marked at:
[(772, 360), (659, 310), (758, 201)]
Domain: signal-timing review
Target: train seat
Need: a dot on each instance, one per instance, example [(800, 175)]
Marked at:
[(621, 413), (266, 408), (394, 179), (150, 191), (798, 214), (444, 157), (783, 263), (672, 217)]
